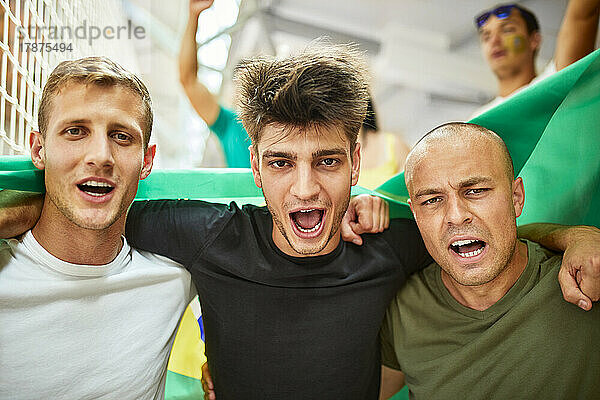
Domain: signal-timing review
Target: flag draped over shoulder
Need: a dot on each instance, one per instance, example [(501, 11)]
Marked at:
[(552, 130)]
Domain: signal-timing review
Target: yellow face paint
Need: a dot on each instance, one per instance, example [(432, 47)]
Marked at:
[(514, 43)]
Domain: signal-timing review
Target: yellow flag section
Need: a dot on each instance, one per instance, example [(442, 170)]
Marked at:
[(187, 357)]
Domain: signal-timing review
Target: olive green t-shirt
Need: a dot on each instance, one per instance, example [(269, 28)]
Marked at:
[(531, 344)]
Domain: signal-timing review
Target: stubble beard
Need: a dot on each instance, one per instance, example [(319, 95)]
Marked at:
[(307, 251)]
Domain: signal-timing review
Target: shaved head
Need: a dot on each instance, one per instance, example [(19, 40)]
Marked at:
[(465, 201), (454, 135)]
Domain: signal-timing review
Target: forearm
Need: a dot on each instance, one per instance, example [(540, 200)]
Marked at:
[(554, 236), (583, 9), (188, 63), (200, 97), (19, 211), (577, 34)]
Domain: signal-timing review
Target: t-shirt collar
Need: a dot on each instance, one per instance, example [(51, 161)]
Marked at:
[(41, 255)]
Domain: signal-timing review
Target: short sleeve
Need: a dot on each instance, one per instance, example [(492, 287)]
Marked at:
[(233, 138), (386, 336), (177, 229)]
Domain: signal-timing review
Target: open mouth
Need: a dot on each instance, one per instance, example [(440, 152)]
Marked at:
[(308, 222), (468, 248), (95, 188), (498, 53)]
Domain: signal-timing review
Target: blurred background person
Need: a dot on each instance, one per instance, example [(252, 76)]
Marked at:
[(221, 121), (425, 60), (510, 40), (382, 153)]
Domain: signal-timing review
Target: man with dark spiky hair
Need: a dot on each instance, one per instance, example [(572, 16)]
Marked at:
[(290, 311)]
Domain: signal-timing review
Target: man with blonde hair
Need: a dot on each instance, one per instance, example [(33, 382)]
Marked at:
[(82, 314)]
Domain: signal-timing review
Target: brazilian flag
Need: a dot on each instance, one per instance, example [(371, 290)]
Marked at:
[(552, 130)]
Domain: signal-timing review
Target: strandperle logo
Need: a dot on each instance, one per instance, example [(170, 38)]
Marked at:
[(83, 31)]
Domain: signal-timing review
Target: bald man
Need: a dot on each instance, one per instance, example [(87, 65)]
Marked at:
[(486, 320)]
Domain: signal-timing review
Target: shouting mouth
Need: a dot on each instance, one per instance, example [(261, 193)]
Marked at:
[(308, 223), (468, 248), (95, 188)]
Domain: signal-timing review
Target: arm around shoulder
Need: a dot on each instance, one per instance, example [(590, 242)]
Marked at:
[(19, 212)]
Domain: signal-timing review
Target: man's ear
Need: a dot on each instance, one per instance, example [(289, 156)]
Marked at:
[(148, 161), (409, 201), (254, 165), (355, 164), (518, 195), (535, 41), (38, 152)]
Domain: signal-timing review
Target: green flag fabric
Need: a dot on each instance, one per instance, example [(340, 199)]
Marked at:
[(552, 131)]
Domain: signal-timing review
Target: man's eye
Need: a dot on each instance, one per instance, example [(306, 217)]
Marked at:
[(476, 191), (431, 201), (279, 163), (329, 162), (74, 131), (120, 136)]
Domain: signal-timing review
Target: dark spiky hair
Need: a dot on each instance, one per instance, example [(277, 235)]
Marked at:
[(324, 86)]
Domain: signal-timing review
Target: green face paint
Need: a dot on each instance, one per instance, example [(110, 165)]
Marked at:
[(515, 43)]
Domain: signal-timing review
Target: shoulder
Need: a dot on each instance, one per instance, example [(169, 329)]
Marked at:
[(195, 208), (545, 258), (402, 231), (225, 118), (419, 286)]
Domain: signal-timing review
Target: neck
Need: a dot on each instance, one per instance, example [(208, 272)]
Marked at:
[(71, 243), (484, 296), (513, 80)]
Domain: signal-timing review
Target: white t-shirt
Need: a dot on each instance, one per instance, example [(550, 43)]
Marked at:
[(549, 70), (87, 332)]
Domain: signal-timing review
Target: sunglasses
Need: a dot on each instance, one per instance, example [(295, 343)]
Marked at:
[(500, 12)]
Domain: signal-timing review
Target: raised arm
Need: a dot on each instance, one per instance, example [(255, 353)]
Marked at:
[(19, 211), (577, 34), (579, 275), (203, 101)]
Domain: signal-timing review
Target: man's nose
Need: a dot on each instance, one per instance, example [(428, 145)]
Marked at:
[(457, 211), (306, 185), (99, 151)]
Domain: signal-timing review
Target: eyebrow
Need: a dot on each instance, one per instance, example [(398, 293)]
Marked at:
[(129, 128), (476, 180), (279, 154), (338, 151), (75, 121)]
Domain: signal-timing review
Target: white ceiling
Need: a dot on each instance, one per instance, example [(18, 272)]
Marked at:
[(424, 53)]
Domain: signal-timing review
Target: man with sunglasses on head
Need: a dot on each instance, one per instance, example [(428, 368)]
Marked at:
[(510, 39)]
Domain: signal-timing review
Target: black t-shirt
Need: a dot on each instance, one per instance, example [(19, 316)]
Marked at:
[(277, 326)]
